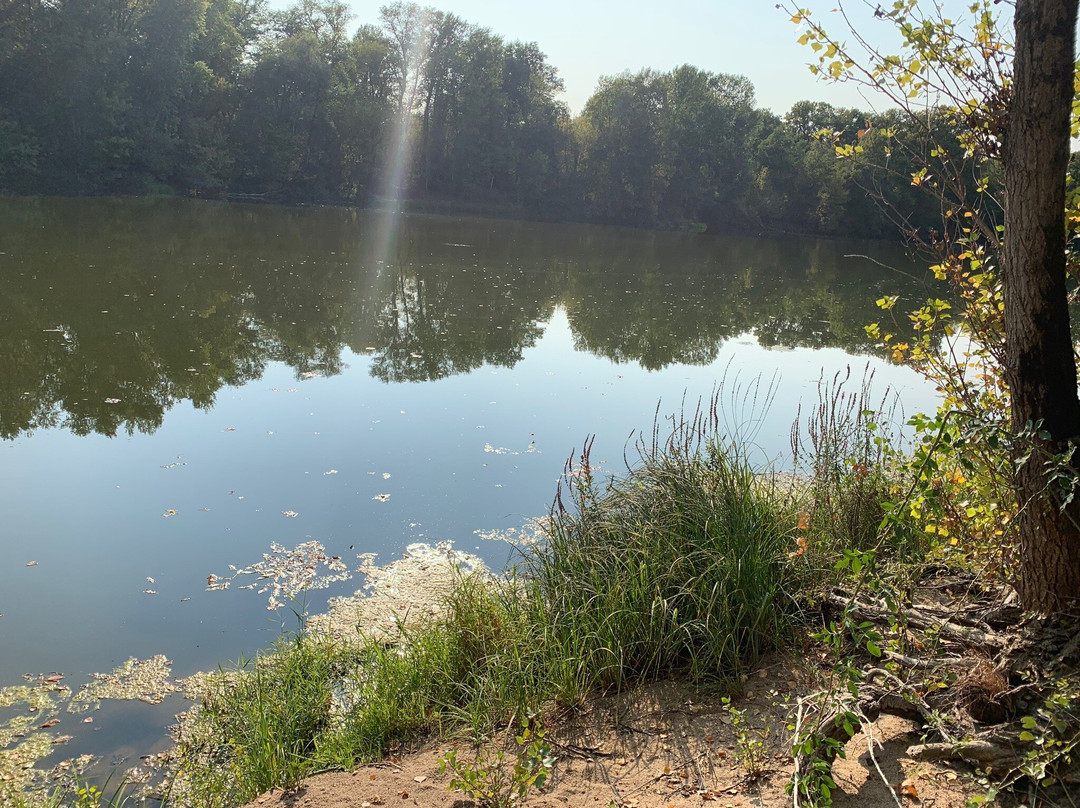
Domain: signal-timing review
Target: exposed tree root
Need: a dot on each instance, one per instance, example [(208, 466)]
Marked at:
[(990, 685)]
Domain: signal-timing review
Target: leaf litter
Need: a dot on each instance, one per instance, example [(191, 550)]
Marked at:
[(24, 739), (142, 680), (286, 573), (414, 586)]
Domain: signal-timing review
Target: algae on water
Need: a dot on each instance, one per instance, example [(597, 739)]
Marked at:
[(143, 680), (413, 587), (286, 573)]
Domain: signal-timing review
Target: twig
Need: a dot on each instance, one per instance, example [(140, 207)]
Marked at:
[(798, 756), (868, 730), (922, 664)]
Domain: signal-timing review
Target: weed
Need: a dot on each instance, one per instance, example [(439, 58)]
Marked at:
[(751, 750), (492, 781)]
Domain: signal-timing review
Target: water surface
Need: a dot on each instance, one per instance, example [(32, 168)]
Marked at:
[(184, 382)]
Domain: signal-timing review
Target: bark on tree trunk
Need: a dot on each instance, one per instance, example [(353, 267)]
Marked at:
[(1040, 368)]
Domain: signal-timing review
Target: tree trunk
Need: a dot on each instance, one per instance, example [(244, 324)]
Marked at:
[(1040, 368)]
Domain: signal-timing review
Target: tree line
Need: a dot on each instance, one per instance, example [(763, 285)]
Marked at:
[(208, 97)]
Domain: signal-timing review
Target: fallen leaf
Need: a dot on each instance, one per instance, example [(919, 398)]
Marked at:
[(62, 739), (88, 720), (404, 794), (50, 723), (290, 514), (53, 679), (170, 512), (907, 789), (31, 563)]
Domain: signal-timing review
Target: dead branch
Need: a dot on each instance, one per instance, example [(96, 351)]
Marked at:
[(983, 753)]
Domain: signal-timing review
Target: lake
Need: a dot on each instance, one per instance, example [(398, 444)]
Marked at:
[(184, 382)]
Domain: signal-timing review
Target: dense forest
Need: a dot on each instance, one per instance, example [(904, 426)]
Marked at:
[(216, 97)]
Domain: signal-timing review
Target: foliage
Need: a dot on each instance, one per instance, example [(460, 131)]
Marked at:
[(492, 781), (223, 96), (963, 493), (949, 83)]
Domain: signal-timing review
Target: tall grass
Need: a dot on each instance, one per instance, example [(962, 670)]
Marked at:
[(673, 568), (848, 459), (685, 565), (257, 727)]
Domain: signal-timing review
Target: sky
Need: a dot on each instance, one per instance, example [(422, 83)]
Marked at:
[(587, 39)]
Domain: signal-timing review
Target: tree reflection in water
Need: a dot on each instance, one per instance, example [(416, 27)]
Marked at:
[(115, 310)]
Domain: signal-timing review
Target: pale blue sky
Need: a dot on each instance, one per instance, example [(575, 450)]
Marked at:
[(587, 39)]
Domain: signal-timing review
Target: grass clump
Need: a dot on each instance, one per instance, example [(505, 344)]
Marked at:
[(312, 703), (675, 568), (848, 464), (258, 726)]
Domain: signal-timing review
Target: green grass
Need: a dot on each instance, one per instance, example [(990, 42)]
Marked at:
[(675, 568), (259, 729), (687, 565)]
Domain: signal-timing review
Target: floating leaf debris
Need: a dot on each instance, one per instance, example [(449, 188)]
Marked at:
[(413, 587), (286, 573), (143, 680)]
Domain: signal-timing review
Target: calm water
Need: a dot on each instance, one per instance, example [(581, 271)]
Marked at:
[(232, 363)]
